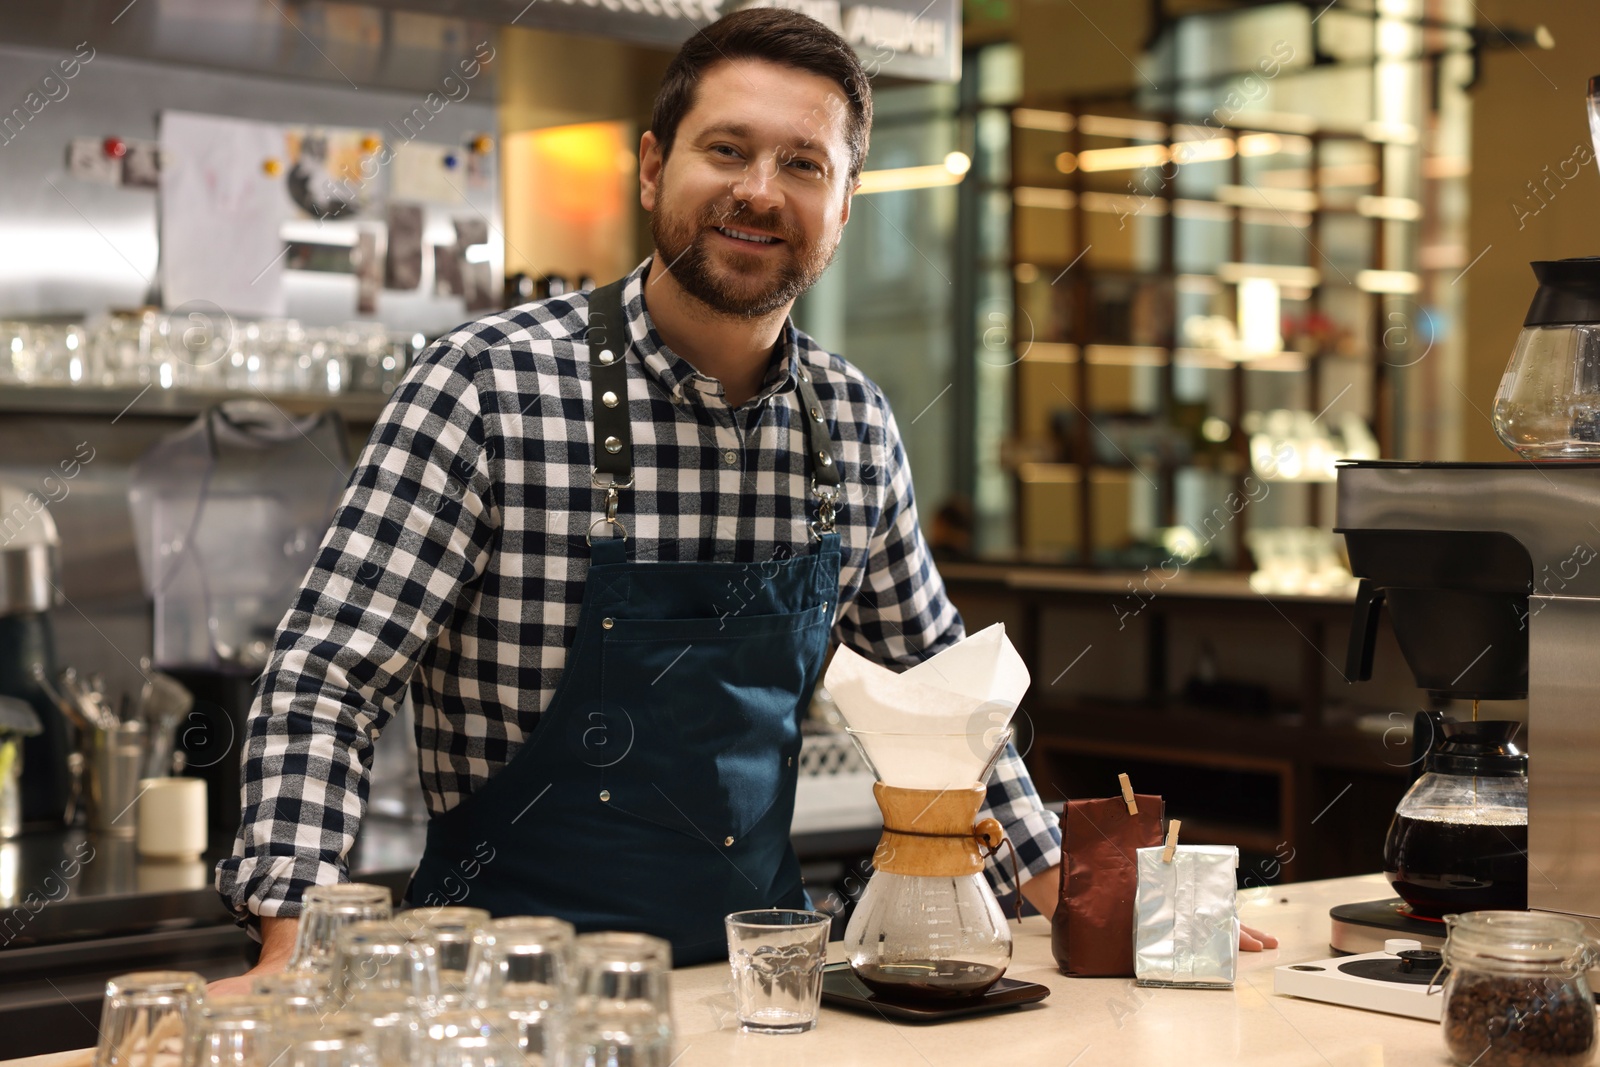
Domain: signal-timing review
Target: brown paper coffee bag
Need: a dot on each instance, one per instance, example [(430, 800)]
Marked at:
[(1092, 932)]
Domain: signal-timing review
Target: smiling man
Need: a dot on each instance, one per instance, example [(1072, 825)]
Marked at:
[(605, 540)]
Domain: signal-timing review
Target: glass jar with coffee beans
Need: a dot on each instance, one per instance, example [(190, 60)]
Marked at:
[(1516, 995)]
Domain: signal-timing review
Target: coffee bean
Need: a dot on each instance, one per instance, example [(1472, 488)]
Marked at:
[(1502, 1021)]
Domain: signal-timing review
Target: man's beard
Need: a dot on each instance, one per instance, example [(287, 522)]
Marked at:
[(731, 288)]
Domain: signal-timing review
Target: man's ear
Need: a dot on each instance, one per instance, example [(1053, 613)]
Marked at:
[(651, 162), (849, 196)]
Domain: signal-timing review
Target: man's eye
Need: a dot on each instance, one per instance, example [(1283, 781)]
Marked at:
[(726, 151), (805, 165)]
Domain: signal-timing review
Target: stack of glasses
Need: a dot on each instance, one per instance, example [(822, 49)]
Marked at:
[(436, 987)]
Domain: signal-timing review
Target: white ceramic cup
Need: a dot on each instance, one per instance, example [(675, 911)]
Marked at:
[(172, 818)]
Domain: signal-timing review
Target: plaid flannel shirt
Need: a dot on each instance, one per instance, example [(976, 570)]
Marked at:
[(455, 565)]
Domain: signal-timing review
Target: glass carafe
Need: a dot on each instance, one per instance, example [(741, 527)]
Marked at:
[(1459, 839), (928, 926), (1548, 403)]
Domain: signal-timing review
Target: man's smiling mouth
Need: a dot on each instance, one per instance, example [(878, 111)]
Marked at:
[(742, 235)]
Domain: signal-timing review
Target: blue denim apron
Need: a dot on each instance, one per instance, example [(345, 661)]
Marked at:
[(657, 790)]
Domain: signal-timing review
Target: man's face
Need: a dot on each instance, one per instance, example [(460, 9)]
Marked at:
[(749, 207)]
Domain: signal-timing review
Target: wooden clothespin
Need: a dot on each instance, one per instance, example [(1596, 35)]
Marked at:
[(1127, 794), (1172, 840)]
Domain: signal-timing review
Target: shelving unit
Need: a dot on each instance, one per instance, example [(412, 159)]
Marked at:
[(153, 401), (1110, 406)]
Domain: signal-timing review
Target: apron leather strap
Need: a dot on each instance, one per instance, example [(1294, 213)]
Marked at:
[(608, 340), (608, 371)]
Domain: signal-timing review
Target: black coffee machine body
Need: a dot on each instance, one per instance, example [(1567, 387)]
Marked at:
[(1490, 573)]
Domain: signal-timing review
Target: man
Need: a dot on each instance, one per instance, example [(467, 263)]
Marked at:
[(605, 540)]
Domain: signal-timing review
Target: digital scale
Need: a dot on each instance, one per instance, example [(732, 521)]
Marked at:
[(1395, 980)]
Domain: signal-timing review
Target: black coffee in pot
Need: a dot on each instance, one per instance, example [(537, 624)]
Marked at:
[(1441, 867)]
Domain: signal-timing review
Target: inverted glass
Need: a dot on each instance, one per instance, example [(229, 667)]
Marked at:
[(522, 966), (327, 908), (622, 1013), (148, 1016)]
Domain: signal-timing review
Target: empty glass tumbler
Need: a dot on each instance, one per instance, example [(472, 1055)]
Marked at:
[(621, 1015), (451, 930), (327, 908), (777, 956), (149, 1017), (238, 1031), (523, 966)]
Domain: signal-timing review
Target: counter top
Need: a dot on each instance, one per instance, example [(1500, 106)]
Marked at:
[(1097, 1022), (1086, 1022)]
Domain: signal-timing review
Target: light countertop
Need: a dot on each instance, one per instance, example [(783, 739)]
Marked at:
[(1098, 1022)]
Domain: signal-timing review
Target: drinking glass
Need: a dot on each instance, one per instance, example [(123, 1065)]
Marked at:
[(296, 997), (148, 1014), (522, 966), (451, 930), (341, 1041), (237, 1031), (621, 1011), (377, 967), (18, 363), (777, 956), (474, 1038), (326, 909)]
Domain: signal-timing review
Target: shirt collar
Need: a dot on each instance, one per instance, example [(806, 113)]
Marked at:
[(675, 374)]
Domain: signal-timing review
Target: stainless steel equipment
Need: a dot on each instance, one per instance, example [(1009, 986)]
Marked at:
[(29, 580), (1488, 572)]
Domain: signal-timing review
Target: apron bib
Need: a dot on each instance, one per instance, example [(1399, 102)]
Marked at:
[(656, 793)]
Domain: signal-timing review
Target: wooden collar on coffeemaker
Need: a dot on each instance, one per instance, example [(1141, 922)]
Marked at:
[(932, 831)]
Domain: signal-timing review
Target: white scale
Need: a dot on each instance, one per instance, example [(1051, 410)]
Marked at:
[(1376, 981)]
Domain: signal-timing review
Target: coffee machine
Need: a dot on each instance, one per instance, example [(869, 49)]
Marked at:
[(1491, 576)]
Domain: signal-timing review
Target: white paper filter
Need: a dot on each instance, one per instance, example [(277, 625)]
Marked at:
[(936, 725)]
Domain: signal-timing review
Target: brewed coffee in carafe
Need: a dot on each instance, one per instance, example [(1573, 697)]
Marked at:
[(1459, 839)]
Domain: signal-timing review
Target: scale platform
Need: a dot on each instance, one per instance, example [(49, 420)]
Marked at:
[(1362, 928), (1376, 981)]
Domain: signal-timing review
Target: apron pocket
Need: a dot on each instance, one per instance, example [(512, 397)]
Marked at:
[(713, 710)]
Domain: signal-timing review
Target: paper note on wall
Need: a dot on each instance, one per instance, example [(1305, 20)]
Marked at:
[(221, 212), (418, 172)]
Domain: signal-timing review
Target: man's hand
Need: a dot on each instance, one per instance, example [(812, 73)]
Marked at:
[(1043, 891), (277, 945), (1253, 940)]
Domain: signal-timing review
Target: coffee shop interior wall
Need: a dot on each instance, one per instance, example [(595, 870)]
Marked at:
[(72, 248)]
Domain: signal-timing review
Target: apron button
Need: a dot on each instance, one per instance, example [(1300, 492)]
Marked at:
[(605, 795), (789, 762), (727, 840), (606, 624)]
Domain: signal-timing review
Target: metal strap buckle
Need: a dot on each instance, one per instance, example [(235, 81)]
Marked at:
[(611, 486), (827, 496)]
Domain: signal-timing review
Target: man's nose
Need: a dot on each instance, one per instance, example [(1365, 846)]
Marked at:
[(758, 185)]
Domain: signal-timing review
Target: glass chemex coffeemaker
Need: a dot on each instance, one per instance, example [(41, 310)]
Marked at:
[(928, 927), (1491, 576)]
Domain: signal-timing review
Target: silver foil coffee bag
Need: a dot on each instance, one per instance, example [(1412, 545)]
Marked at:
[(1186, 917)]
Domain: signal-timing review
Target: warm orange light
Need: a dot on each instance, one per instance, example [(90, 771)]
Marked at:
[(578, 169)]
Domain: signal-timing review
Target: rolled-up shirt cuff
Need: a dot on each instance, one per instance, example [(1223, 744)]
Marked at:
[(1036, 837), (253, 887)]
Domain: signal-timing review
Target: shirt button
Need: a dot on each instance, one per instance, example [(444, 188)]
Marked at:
[(605, 794), (730, 457), (727, 841)]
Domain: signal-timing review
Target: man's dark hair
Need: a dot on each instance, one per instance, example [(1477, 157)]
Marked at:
[(776, 35)]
